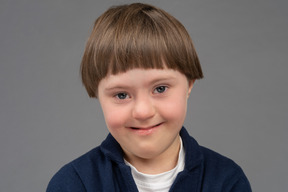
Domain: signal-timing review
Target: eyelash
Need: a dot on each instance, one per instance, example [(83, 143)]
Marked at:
[(157, 90), (160, 91), (119, 95)]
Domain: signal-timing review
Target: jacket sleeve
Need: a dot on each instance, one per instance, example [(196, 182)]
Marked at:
[(66, 180)]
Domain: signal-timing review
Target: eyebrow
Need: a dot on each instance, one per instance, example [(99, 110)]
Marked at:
[(116, 87)]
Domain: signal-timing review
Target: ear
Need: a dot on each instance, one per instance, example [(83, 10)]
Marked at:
[(190, 86)]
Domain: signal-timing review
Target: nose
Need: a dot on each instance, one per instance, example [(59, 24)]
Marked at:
[(143, 108)]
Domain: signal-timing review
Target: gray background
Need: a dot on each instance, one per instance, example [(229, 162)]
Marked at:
[(239, 109)]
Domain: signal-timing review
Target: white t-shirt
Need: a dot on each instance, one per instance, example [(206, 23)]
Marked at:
[(160, 182)]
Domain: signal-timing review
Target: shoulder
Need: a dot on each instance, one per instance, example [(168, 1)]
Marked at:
[(63, 179), (212, 158), (222, 172), (216, 172), (73, 176), (95, 170)]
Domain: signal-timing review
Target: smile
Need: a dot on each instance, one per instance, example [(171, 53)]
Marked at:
[(149, 127), (145, 130)]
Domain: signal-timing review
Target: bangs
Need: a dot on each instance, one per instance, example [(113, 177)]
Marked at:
[(136, 42), (137, 36), (138, 47)]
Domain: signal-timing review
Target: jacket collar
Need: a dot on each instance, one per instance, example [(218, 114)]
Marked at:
[(193, 155), (112, 149)]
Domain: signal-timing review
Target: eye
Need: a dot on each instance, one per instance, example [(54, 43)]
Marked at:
[(160, 89), (121, 96)]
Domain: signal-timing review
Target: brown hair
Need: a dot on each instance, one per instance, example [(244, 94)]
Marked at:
[(137, 36)]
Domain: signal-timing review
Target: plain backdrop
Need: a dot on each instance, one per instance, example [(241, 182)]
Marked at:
[(239, 109)]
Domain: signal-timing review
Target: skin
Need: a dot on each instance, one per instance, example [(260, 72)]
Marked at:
[(144, 110)]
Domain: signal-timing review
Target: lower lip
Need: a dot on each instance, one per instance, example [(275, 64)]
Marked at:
[(146, 131)]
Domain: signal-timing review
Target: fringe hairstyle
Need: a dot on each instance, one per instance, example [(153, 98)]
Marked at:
[(137, 36)]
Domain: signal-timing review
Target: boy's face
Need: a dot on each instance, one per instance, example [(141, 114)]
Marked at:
[(144, 110)]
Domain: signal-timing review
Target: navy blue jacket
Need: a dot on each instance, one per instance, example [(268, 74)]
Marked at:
[(103, 169)]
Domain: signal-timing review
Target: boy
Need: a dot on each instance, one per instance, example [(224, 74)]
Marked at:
[(141, 64)]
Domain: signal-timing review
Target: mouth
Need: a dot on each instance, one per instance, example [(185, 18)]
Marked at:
[(146, 128)]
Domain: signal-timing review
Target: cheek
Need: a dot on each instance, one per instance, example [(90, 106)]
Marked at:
[(115, 117), (175, 108)]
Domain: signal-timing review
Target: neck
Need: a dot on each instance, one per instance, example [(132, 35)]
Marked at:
[(165, 161)]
